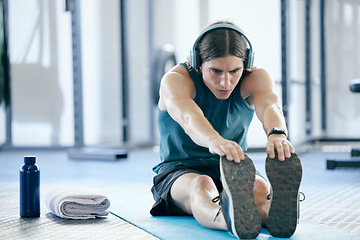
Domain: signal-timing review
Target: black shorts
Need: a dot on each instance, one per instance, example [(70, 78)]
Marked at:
[(163, 181)]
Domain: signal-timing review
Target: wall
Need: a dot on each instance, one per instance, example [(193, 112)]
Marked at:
[(342, 65), (40, 47), (41, 73), (139, 72), (100, 30)]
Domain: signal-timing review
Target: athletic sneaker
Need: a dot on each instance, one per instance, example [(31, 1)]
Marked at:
[(237, 199), (285, 178)]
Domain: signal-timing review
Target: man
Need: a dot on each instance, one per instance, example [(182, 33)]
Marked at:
[(204, 113)]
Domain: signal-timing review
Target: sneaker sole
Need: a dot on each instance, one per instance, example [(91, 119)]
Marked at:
[(285, 178), (238, 182)]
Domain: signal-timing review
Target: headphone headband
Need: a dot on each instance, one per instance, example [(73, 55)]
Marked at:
[(195, 56)]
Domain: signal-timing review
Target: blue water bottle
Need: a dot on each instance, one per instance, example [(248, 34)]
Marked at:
[(29, 188)]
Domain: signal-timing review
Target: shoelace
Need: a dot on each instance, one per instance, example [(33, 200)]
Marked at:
[(303, 195), (214, 200), (300, 200)]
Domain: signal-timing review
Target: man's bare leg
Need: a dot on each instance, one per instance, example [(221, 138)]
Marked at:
[(193, 193), (261, 193)]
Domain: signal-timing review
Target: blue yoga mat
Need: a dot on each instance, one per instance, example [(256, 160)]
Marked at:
[(133, 204)]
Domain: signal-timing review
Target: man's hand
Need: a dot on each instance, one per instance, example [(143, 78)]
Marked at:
[(230, 149), (279, 143)]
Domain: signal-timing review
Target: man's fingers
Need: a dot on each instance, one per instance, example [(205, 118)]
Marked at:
[(218, 151), (287, 151), (270, 151), (238, 153), (233, 152), (280, 150), (283, 148), (230, 149), (292, 149), (230, 153)]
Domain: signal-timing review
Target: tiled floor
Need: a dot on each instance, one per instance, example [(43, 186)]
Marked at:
[(57, 170), (331, 195)]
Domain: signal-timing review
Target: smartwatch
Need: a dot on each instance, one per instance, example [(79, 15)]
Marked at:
[(276, 130)]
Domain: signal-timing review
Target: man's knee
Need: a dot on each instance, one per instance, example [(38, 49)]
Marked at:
[(202, 182)]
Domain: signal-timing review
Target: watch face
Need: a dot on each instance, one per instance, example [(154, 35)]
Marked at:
[(276, 130), (279, 130)]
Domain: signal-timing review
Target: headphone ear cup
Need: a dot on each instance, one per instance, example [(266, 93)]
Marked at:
[(246, 62), (194, 59), (249, 59)]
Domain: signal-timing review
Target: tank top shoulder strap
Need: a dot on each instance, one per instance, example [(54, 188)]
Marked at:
[(193, 75)]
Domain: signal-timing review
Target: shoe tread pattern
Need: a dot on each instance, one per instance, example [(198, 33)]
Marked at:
[(240, 179), (285, 178)]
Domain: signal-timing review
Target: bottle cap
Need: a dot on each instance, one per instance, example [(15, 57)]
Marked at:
[(29, 159)]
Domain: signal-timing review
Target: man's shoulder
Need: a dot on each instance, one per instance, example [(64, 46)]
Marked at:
[(257, 76), (257, 80), (256, 72)]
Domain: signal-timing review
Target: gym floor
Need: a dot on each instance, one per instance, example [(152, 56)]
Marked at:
[(332, 196)]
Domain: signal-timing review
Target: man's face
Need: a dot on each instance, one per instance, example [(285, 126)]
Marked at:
[(221, 75)]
